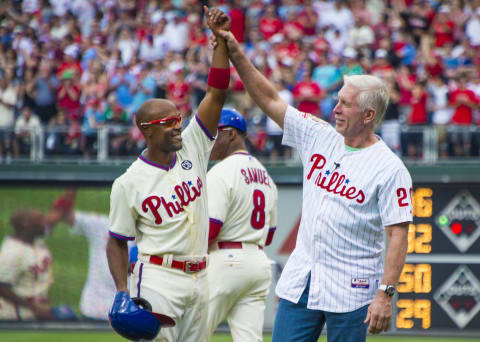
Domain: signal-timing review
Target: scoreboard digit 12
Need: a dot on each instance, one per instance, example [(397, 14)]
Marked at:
[(439, 287)]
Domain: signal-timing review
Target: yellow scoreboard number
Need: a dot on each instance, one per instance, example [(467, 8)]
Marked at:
[(417, 278)]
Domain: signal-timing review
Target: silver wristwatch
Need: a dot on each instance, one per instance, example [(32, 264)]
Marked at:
[(388, 289)]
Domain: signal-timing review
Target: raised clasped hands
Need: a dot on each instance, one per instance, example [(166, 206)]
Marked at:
[(217, 21)]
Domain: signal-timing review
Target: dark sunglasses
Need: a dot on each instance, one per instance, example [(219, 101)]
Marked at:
[(170, 121)]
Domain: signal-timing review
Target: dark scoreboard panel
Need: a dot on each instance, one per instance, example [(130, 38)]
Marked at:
[(439, 288)]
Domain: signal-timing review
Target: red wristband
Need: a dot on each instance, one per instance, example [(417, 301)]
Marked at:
[(219, 78)]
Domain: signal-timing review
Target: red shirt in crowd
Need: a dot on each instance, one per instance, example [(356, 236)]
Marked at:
[(307, 89), (291, 50), (293, 28), (238, 26), (270, 26), (72, 105), (418, 114), (178, 93), (443, 32), (463, 114)]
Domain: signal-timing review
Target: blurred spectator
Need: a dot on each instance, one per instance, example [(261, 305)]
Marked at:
[(70, 63), (178, 91), (473, 27), (463, 101), (307, 94), (270, 24), (126, 45), (361, 36), (417, 116), (68, 94), (119, 138), (27, 127), (60, 140), (239, 25), (46, 86), (351, 65), (380, 67), (176, 33), (443, 27), (390, 128), (93, 120), (274, 132), (122, 83), (441, 111), (8, 99)]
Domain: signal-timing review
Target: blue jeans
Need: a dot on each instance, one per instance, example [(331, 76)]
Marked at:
[(296, 323)]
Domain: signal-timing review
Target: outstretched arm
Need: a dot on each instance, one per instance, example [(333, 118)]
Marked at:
[(259, 88), (210, 107)]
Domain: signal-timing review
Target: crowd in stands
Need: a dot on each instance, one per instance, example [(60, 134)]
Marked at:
[(70, 67)]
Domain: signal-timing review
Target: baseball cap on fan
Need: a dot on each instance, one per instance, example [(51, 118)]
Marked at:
[(380, 53), (349, 53)]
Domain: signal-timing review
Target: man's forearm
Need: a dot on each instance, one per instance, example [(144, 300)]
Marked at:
[(117, 255), (396, 253)]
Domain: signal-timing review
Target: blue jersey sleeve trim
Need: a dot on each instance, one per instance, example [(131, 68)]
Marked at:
[(121, 237)]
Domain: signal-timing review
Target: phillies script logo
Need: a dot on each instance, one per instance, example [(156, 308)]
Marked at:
[(459, 296), (333, 182), (185, 193)]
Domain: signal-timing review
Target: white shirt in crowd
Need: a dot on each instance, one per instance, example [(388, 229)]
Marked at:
[(7, 116)]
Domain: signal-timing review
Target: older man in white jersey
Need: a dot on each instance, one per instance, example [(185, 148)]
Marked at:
[(354, 189), (161, 202), (242, 204)]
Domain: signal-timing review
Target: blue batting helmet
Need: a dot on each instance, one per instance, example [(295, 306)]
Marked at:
[(132, 318), (232, 118)]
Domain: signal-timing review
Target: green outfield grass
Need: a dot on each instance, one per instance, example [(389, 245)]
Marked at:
[(110, 337)]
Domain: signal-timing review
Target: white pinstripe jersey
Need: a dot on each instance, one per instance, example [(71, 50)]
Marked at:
[(165, 208), (28, 269), (348, 199), (242, 198)]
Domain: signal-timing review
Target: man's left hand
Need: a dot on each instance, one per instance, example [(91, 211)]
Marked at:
[(217, 20), (379, 314)]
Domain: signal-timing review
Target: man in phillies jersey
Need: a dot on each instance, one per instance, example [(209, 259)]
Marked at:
[(161, 202), (354, 189), (242, 204), (26, 269)]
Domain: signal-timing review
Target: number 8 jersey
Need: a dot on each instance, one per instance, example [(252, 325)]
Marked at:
[(242, 200)]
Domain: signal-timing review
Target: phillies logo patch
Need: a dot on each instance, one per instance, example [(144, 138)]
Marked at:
[(187, 165), (459, 296), (333, 181), (184, 194)]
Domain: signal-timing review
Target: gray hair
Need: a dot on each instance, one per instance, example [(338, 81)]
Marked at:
[(373, 94)]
